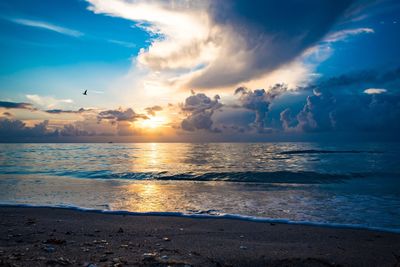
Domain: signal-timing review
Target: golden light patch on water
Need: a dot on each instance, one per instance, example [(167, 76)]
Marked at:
[(147, 196)]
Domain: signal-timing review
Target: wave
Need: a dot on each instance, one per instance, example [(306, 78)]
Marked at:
[(298, 177), (208, 215), (283, 177), (315, 151)]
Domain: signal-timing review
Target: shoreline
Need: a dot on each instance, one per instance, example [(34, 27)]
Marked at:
[(70, 237), (205, 215)]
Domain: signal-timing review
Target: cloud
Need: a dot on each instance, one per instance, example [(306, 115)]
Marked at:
[(15, 105), (344, 34), (232, 118), (259, 101), (153, 110), (60, 111), (259, 39), (120, 124), (14, 129), (325, 112), (340, 103), (7, 114), (213, 44), (373, 77), (47, 26), (120, 115), (372, 91), (199, 109), (48, 101), (73, 130), (17, 128), (288, 121), (316, 114), (122, 43), (122, 119)]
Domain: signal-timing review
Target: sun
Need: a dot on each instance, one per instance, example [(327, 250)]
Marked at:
[(153, 122)]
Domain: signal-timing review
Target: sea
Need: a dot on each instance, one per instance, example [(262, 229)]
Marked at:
[(353, 185)]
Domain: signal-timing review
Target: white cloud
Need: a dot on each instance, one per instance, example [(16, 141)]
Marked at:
[(122, 43), (47, 26), (343, 34), (48, 102), (375, 91)]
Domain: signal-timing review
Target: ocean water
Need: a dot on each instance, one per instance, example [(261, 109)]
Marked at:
[(347, 184)]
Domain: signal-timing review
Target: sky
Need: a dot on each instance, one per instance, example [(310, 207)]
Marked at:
[(201, 70)]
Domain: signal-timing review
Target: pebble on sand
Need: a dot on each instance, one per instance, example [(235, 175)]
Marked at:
[(149, 255)]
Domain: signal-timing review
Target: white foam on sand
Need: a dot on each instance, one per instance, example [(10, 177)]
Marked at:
[(205, 215)]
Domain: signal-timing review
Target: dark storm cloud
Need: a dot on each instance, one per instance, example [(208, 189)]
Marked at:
[(200, 109), (316, 114), (15, 105), (324, 112), (7, 114), (264, 35), (340, 103), (357, 81), (153, 110), (259, 101), (364, 77)]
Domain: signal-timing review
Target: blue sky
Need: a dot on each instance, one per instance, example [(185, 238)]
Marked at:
[(176, 56), (45, 62), (27, 47), (377, 50)]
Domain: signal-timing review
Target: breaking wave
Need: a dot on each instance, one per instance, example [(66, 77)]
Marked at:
[(299, 177), (315, 151)]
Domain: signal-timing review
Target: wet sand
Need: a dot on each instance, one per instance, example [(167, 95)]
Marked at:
[(62, 237)]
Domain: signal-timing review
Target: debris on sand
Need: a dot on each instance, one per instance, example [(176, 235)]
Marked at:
[(49, 249)]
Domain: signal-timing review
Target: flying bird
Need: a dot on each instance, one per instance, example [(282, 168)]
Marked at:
[(85, 93)]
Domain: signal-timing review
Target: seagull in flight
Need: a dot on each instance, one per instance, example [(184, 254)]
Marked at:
[(84, 93)]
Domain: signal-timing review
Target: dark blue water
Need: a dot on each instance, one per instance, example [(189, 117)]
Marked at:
[(356, 184)]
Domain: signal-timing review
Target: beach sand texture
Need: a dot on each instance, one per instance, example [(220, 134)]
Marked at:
[(62, 237)]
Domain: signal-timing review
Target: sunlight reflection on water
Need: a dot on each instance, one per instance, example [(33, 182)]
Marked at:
[(151, 177)]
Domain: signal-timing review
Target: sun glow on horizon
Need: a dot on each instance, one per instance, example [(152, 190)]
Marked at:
[(153, 122)]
